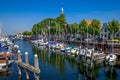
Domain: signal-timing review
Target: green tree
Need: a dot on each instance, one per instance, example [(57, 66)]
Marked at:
[(35, 29), (113, 26), (74, 28), (83, 27), (61, 21), (95, 27), (26, 33), (53, 27)]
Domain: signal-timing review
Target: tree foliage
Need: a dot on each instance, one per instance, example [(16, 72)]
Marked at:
[(83, 26), (59, 25), (35, 29), (74, 28), (26, 33), (51, 25), (113, 26), (94, 27)]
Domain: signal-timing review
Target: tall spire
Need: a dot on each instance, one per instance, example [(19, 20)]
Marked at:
[(62, 9)]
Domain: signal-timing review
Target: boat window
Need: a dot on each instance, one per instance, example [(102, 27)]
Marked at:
[(2, 58)]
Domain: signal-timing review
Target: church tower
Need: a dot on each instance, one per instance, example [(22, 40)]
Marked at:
[(62, 9)]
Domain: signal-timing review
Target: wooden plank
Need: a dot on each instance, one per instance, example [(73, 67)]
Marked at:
[(27, 66)]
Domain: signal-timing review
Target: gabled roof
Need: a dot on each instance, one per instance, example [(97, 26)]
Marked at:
[(88, 21)]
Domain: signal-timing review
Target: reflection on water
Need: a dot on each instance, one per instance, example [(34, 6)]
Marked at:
[(84, 72), (56, 60), (55, 66), (111, 73)]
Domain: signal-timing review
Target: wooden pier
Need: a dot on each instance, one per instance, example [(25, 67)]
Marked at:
[(27, 67)]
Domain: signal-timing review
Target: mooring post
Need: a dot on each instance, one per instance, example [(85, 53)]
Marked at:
[(26, 58), (79, 54), (7, 58), (26, 61), (19, 59), (36, 61), (36, 66), (92, 57), (86, 54), (19, 56)]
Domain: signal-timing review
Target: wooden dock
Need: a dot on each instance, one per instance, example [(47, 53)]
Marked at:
[(27, 66)]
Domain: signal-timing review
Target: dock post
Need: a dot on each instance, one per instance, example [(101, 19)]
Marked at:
[(19, 59), (36, 66), (26, 61), (19, 56), (86, 54), (26, 58), (79, 55), (7, 61)]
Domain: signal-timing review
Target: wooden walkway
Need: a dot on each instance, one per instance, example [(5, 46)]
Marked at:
[(27, 66)]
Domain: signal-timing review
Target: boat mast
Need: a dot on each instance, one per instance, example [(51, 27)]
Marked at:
[(0, 30)]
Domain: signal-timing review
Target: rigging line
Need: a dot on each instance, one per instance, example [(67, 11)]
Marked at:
[(2, 31)]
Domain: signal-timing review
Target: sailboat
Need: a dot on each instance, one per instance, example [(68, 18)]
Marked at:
[(5, 52), (110, 58)]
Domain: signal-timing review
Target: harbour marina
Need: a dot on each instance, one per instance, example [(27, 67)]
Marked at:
[(56, 49), (61, 66)]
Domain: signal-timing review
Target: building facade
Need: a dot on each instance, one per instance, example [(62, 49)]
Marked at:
[(104, 33)]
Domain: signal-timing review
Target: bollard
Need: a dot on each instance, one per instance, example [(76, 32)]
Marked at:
[(26, 58), (37, 66), (86, 54), (27, 76), (7, 58), (19, 56), (79, 54), (19, 71), (26, 61), (79, 51), (36, 76), (36, 61), (19, 59)]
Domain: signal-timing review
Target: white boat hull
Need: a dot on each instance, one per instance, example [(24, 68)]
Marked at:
[(111, 57)]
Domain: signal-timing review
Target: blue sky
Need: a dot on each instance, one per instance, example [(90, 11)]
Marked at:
[(21, 15)]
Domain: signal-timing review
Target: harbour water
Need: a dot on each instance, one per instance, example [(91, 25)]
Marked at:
[(59, 67)]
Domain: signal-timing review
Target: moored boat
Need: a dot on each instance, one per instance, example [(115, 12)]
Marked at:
[(5, 56), (111, 57)]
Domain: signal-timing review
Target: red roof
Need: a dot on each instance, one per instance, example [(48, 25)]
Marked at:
[(88, 22)]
